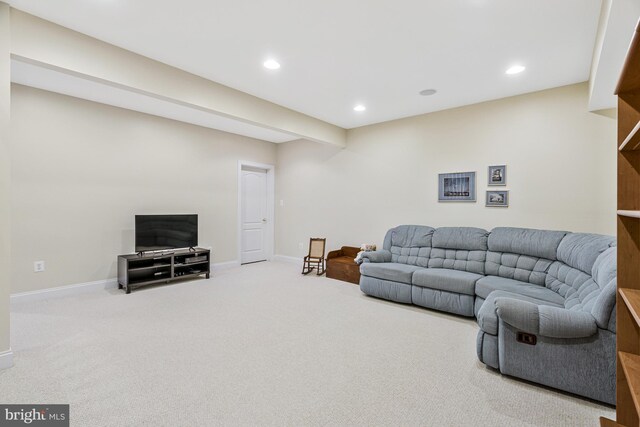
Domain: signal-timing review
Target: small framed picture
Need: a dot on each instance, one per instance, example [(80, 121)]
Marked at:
[(498, 198), (498, 175), (457, 187)]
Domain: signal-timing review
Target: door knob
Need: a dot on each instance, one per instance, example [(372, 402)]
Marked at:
[(264, 219)]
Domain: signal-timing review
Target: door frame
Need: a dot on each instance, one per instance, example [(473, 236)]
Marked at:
[(269, 242)]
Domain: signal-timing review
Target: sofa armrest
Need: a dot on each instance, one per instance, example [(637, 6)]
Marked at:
[(376, 256), (554, 322)]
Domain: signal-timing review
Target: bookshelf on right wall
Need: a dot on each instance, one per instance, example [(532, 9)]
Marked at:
[(628, 298)]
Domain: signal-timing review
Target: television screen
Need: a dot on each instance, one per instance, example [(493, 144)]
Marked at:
[(156, 232)]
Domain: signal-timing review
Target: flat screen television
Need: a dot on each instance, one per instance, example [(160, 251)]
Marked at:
[(158, 232)]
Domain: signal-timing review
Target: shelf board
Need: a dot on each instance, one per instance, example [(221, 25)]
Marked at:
[(631, 367), (631, 298), (631, 214), (184, 276), (150, 267), (187, 264), (632, 141), (150, 280), (606, 422)]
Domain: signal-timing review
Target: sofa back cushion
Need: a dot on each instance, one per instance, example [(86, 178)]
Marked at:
[(409, 244), (605, 267), (459, 248), (524, 268), (603, 309), (580, 250), (575, 286), (585, 274), (604, 273), (526, 241), (522, 254)]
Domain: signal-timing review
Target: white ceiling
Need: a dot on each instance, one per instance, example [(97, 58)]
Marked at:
[(336, 53), (58, 81)]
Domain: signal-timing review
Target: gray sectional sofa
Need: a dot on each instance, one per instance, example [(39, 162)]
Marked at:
[(544, 300)]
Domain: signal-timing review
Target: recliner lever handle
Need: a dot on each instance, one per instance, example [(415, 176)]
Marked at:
[(526, 338)]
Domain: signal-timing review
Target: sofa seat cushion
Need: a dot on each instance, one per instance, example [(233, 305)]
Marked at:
[(392, 271), (461, 282), (488, 284), (487, 316)]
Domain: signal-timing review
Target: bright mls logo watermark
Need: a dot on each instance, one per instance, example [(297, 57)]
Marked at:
[(34, 415)]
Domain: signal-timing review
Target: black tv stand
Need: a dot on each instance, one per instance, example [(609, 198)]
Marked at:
[(149, 268)]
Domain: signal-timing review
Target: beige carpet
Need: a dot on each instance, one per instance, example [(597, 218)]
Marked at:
[(263, 345)]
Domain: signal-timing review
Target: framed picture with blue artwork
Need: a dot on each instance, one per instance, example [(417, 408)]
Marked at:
[(457, 187)]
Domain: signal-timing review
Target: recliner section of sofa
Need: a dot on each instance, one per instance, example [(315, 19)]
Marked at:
[(572, 330), (556, 286), (456, 263), (408, 246)]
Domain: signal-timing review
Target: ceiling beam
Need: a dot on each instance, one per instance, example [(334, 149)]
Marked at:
[(41, 42)]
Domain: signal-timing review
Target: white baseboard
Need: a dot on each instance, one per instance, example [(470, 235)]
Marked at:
[(6, 359), (286, 258), (62, 291), (99, 285)]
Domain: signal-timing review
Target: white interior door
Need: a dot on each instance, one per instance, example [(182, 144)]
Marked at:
[(253, 215)]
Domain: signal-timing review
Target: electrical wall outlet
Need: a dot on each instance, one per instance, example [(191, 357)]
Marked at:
[(38, 266), (301, 246)]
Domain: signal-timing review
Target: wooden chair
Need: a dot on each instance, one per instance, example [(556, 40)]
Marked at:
[(315, 257)]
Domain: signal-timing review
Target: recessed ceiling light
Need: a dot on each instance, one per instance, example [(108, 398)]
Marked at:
[(515, 69), (271, 64), (359, 107), (427, 92)]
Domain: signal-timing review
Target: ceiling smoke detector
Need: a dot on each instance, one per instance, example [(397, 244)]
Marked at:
[(427, 92)]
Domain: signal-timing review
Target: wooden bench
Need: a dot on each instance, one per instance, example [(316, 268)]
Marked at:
[(341, 266)]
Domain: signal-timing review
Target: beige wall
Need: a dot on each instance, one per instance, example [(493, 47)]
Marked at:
[(82, 170), (5, 177), (560, 159)]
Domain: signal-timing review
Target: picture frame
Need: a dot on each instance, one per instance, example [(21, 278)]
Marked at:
[(497, 198), (457, 187), (497, 175)]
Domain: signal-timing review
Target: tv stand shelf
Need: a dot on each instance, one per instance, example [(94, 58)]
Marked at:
[(136, 270)]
